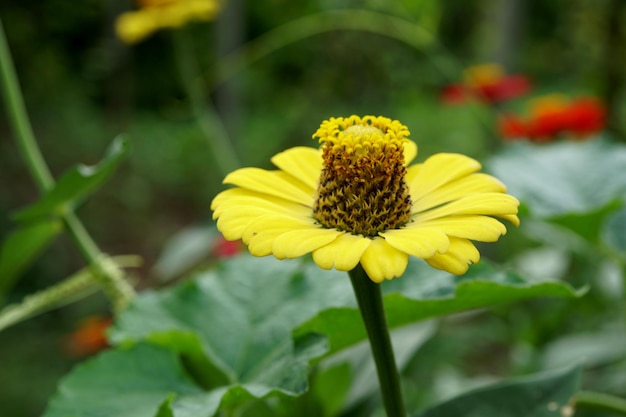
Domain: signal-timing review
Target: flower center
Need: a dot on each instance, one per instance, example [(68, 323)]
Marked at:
[(362, 187)]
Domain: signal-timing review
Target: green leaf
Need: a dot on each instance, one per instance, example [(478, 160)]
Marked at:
[(599, 348), (184, 250), (242, 314), (137, 382), (21, 247), (424, 293), (233, 326), (76, 184), (543, 395), (330, 386), (614, 232), (588, 225), (562, 178), (406, 341)]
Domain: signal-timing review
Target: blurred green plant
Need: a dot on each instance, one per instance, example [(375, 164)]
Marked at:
[(57, 202), (231, 339)]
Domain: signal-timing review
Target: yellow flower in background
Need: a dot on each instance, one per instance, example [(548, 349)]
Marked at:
[(153, 15), (550, 103), (355, 200), (484, 74)]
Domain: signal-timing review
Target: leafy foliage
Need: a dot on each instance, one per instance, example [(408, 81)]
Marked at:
[(544, 395), (136, 382), (563, 178), (614, 232), (76, 184), (22, 246), (233, 329), (40, 222)]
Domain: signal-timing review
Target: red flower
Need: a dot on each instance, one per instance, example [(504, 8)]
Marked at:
[(505, 89), (552, 116), (223, 248), (587, 116), (89, 337), (454, 94), (487, 83), (511, 126)]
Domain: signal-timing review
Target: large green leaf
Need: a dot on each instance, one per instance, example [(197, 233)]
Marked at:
[(425, 293), (21, 247), (240, 316), (75, 184), (126, 382), (563, 178), (544, 395), (233, 326), (598, 348)]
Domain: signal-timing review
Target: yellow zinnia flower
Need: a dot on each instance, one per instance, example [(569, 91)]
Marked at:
[(355, 200), (132, 27)]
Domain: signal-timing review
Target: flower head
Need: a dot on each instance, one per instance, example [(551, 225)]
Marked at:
[(356, 201), (488, 83), (223, 248), (554, 115), (89, 337), (153, 15)]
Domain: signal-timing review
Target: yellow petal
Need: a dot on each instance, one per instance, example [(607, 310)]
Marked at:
[(235, 209), (491, 204), (456, 261), (344, 253), (231, 228), (473, 183), (301, 162), (511, 217), (274, 183), (296, 243), (382, 261), (410, 151), (479, 228), (132, 27), (419, 242), (239, 197), (261, 233), (233, 222), (438, 170)]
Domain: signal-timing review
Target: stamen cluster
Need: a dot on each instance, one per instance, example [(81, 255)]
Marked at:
[(362, 187)]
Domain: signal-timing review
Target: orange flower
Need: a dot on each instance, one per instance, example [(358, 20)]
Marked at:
[(553, 116), (89, 337)]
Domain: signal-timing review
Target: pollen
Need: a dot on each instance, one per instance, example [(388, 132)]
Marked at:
[(362, 187)]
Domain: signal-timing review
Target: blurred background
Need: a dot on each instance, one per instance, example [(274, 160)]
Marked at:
[(83, 87)]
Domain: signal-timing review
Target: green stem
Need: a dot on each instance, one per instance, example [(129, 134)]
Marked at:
[(110, 277), (107, 272), (600, 401), (19, 118), (203, 110), (75, 287), (370, 301)]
